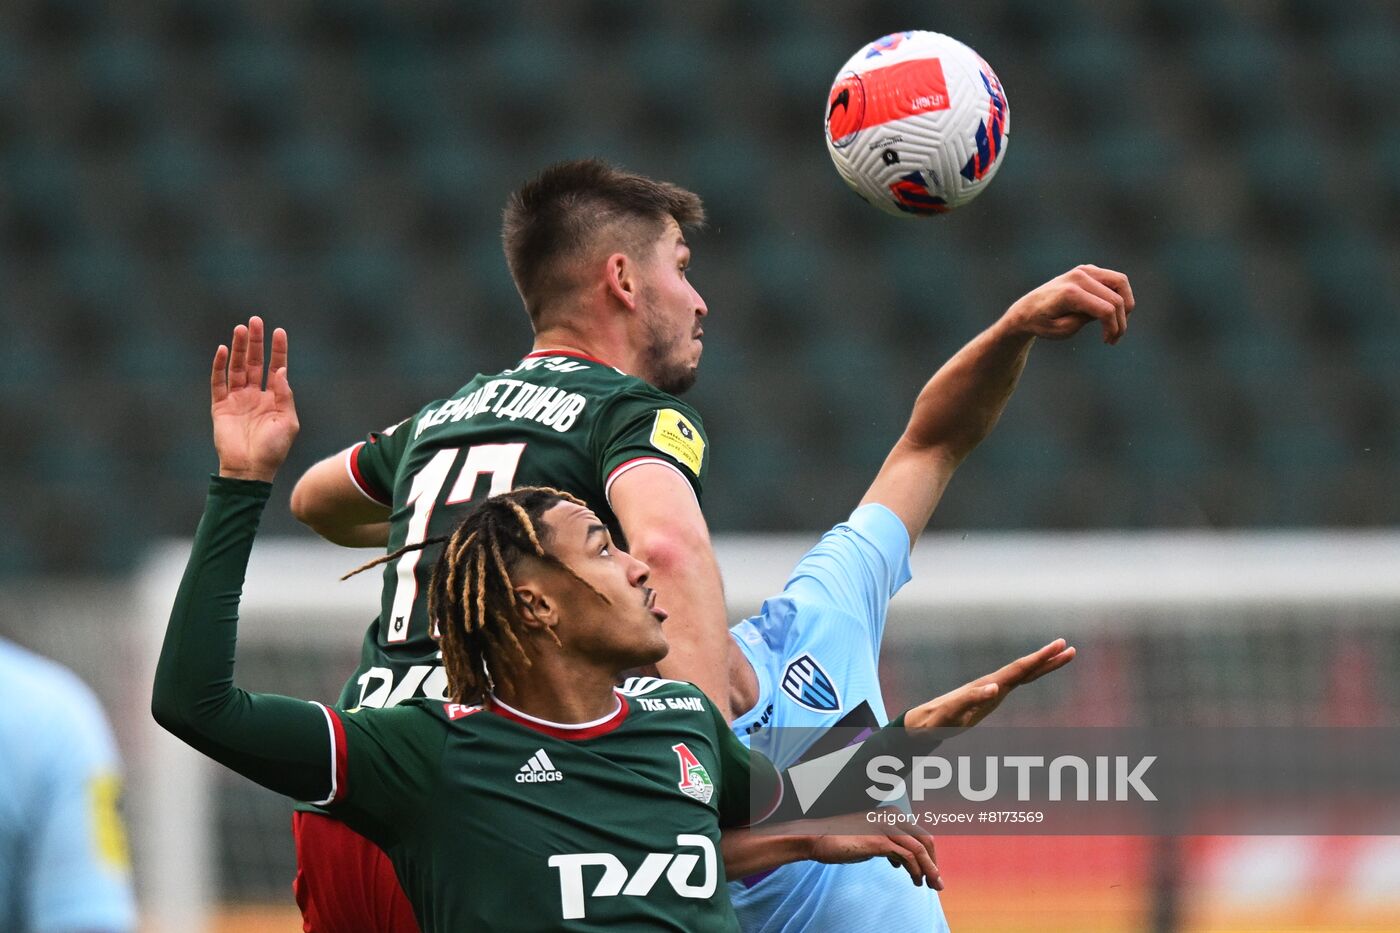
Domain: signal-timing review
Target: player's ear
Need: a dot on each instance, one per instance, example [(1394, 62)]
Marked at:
[(538, 610), (620, 274)]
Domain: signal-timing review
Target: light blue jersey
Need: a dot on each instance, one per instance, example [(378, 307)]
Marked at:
[(63, 856), (816, 650)]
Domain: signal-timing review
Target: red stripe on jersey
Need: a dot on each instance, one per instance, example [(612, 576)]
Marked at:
[(342, 760), (365, 486), (638, 461), (574, 353), (559, 730)]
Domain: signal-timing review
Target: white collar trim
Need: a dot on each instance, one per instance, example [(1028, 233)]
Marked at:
[(559, 725)]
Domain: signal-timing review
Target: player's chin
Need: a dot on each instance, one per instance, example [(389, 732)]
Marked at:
[(680, 378), (655, 646)]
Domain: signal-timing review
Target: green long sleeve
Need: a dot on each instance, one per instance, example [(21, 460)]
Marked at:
[(279, 742)]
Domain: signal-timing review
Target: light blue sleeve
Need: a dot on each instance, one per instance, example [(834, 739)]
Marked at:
[(80, 876), (856, 568)]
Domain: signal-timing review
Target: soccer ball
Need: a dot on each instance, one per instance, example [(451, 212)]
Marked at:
[(917, 123)]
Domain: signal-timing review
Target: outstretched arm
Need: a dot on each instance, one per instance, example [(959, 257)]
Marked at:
[(960, 405), (961, 709), (279, 742), (918, 731)]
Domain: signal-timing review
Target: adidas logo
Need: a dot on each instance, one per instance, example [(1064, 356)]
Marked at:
[(538, 770)]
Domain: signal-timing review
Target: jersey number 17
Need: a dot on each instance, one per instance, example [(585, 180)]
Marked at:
[(499, 461)]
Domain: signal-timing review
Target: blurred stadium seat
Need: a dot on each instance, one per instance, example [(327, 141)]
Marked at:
[(342, 167)]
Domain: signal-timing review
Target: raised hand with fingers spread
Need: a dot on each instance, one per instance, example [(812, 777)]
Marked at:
[(254, 426)]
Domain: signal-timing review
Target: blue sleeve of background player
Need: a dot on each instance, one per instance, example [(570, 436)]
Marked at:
[(856, 568), (79, 876)]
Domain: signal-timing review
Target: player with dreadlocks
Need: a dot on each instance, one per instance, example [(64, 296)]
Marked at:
[(466, 597), (471, 599), (553, 769)]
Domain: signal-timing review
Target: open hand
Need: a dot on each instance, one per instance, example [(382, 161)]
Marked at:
[(253, 426), (968, 705), (1063, 305)]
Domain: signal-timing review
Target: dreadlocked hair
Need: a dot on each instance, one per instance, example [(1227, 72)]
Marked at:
[(471, 599)]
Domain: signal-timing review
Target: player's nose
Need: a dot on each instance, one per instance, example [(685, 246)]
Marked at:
[(637, 571), (701, 309)]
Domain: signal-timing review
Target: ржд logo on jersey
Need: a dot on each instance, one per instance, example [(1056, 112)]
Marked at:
[(695, 780), (678, 868), (807, 682), (538, 770)]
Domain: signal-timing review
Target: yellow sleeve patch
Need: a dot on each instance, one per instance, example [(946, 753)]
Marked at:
[(674, 433), (104, 797)]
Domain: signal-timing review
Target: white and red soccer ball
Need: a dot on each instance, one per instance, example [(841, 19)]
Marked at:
[(917, 123)]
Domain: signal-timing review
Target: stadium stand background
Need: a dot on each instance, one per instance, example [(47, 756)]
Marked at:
[(168, 168)]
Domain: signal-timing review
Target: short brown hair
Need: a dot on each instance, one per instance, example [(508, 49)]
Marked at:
[(555, 217)]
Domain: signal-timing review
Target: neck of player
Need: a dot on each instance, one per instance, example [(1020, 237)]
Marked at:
[(560, 691), (602, 340)]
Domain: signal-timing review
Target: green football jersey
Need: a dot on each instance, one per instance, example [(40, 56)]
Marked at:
[(555, 419), (497, 820), (494, 820)]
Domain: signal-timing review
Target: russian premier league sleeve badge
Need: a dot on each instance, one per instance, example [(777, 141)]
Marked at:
[(809, 685), (673, 433)]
